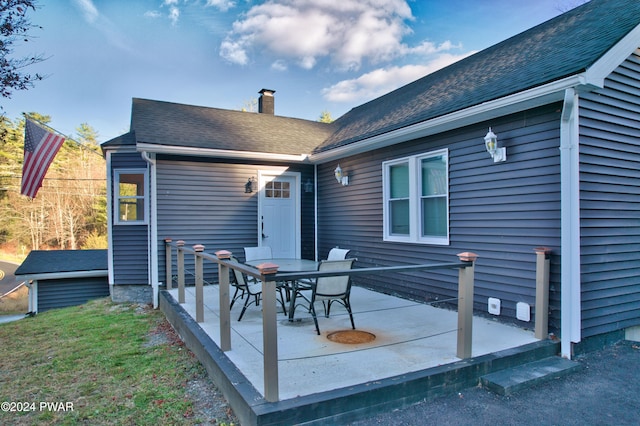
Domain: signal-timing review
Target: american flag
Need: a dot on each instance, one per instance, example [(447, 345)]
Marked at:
[(40, 147)]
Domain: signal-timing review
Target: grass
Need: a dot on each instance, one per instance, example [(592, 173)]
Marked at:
[(113, 363)]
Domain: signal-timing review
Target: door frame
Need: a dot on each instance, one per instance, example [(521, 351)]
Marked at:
[(262, 174)]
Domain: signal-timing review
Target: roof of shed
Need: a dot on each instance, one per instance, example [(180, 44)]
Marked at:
[(563, 46), (57, 261)]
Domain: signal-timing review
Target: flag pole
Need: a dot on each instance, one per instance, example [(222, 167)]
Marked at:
[(66, 138)]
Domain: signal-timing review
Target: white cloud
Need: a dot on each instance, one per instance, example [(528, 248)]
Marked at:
[(233, 53), (383, 80), (174, 15), (279, 65), (348, 32), (223, 5), (88, 9), (103, 24), (154, 14)]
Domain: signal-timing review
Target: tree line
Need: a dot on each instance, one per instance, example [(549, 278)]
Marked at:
[(69, 211)]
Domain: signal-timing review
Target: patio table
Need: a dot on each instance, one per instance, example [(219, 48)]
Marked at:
[(289, 265)]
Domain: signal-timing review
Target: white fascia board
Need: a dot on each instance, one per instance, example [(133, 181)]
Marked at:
[(61, 275), (122, 149), (613, 58), (537, 96), (220, 153)]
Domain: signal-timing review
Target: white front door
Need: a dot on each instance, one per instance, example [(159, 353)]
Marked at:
[(279, 214)]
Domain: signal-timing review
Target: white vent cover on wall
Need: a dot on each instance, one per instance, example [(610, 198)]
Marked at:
[(494, 306), (523, 311)]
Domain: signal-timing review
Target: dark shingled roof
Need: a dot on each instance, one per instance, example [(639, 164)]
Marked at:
[(171, 124), (128, 139), (558, 48), (56, 261)]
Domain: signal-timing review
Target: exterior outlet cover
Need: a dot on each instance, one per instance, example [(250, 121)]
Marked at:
[(494, 306), (523, 311)]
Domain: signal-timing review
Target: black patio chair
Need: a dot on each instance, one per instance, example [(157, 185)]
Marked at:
[(252, 289)]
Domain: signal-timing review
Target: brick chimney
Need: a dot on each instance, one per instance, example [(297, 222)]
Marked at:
[(266, 103)]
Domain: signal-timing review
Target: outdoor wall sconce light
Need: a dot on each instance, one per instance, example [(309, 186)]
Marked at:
[(341, 177), (308, 186), (250, 186), (491, 143)]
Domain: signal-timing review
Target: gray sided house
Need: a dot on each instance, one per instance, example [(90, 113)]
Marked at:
[(563, 99)]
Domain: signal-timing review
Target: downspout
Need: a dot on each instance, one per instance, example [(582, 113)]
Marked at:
[(570, 306), (110, 209), (153, 231), (315, 210), (32, 297)]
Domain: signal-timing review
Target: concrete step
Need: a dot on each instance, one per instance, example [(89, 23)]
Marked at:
[(514, 379)]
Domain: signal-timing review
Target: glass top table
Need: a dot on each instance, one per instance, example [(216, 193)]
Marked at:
[(289, 265)]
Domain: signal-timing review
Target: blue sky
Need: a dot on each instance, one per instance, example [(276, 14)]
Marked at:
[(316, 54)]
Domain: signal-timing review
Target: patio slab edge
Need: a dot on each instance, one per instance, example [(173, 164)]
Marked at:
[(345, 404)]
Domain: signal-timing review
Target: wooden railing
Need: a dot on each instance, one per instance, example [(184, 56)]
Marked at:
[(268, 275)]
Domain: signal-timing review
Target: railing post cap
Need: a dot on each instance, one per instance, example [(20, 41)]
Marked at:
[(167, 240), (267, 268), (179, 243), (542, 250), (198, 247), (223, 254), (467, 256)]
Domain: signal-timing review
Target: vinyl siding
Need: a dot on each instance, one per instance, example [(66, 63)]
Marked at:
[(61, 293), (501, 211), (610, 202), (204, 203), (130, 242)]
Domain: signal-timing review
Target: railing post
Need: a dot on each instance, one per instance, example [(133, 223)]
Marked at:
[(199, 248), (225, 314), (180, 256), (465, 305), (543, 261), (269, 331), (167, 259)]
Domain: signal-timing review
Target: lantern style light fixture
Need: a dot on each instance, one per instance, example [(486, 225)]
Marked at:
[(341, 177), (250, 186), (308, 186), (491, 144)]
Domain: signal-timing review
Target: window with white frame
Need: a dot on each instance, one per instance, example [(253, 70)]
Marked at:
[(130, 196), (416, 198)]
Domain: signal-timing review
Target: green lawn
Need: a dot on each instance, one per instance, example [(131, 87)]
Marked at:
[(100, 364)]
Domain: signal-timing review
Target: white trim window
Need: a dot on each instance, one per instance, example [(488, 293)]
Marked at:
[(416, 198), (130, 196)]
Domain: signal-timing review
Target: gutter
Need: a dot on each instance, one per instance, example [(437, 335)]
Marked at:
[(221, 153), (153, 228)]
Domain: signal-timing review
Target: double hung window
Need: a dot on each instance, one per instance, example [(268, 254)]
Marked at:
[(416, 198)]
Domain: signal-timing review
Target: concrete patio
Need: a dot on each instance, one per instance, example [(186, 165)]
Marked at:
[(321, 381)]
